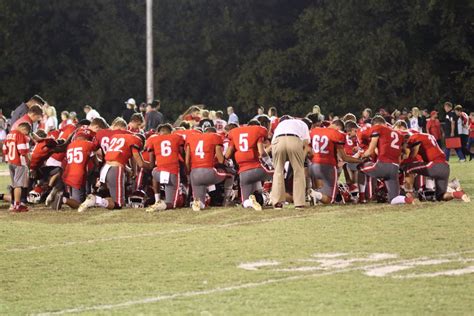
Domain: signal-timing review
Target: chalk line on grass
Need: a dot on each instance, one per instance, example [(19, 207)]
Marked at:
[(158, 233), (217, 290)]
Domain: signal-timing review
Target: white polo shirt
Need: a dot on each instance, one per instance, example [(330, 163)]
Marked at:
[(292, 126)]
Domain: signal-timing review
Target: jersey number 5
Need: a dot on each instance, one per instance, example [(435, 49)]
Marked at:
[(75, 155), (244, 142)]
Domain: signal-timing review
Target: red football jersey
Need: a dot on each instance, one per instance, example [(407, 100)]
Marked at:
[(16, 147), (203, 149), (324, 142), (64, 133), (103, 137), (121, 148), (429, 148), (23, 119), (389, 144), (41, 152), (363, 136), (78, 154), (244, 140), (351, 145), (185, 133), (167, 151)]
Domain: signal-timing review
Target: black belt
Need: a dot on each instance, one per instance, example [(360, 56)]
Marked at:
[(292, 135)]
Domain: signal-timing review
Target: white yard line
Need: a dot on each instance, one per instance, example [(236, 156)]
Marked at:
[(158, 233), (217, 290)]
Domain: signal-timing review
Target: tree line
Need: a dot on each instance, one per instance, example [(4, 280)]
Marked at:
[(342, 54)]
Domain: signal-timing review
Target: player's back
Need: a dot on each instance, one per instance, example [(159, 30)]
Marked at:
[(323, 143), (77, 154), (203, 149), (429, 148), (167, 149), (389, 144), (104, 136), (244, 140), (121, 147)]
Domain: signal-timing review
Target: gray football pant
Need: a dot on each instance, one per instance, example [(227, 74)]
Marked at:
[(201, 178), (386, 171), (438, 171), (251, 181), (115, 181), (171, 188), (328, 174)]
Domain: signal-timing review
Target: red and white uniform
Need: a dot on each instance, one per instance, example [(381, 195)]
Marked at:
[(203, 149), (41, 152), (78, 154), (167, 149), (16, 147), (389, 144), (58, 159), (244, 140), (104, 136), (324, 142)]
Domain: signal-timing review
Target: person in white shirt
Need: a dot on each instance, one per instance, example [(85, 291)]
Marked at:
[(233, 118), (219, 122), (414, 119), (90, 113), (51, 123), (462, 127), (290, 142)]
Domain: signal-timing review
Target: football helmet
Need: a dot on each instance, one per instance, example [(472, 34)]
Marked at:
[(137, 199)]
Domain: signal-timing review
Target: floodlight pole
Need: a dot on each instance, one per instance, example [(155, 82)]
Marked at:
[(149, 51)]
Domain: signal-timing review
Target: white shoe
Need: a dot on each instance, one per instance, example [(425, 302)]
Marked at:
[(455, 184), (314, 196), (88, 203), (159, 205), (196, 205), (51, 196), (466, 198), (255, 205)]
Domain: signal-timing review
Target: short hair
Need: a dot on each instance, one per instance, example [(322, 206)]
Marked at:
[(264, 120), (99, 122), (272, 111), (185, 125), (313, 117), (349, 117), (210, 129), (368, 110), (65, 113), (261, 107), (205, 113), (165, 126), (448, 104), (119, 122), (25, 125), (401, 123), (137, 117), (72, 114), (41, 133), (350, 125), (378, 120), (285, 117), (230, 127), (155, 103), (35, 110), (458, 107), (38, 99), (87, 107), (339, 123), (307, 121), (84, 122), (219, 114), (254, 122)]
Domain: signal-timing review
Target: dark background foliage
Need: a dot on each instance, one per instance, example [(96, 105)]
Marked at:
[(341, 54)]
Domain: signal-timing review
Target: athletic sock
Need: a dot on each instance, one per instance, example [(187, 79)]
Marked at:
[(458, 194), (101, 201), (157, 197), (430, 184), (247, 203)]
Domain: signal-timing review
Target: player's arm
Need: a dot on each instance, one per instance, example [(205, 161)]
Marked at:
[(342, 154), (414, 150), (138, 159), (219, 153), (372, 147), (188, 158)]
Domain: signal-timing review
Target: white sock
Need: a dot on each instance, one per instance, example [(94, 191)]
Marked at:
[(317, 195), (398, 200), (430, 184), (101, 201), (64, 199), (157, 197), (247, 203)]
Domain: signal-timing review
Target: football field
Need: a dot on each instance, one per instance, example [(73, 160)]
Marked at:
[(353, 259)]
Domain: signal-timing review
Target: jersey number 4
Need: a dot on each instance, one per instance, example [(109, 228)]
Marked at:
[(199, 151)]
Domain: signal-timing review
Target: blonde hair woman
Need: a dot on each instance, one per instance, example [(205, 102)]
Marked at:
[(317, 110), (414, 119), (51, 123)]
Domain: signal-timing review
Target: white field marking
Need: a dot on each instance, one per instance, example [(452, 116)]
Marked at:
[(454, 272), (299, 269), (230, 288), (253, 266), (388, 269), (339, 263), (329, 255), (159, 233)]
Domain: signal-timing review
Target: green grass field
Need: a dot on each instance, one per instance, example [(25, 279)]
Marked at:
[(357, 259)]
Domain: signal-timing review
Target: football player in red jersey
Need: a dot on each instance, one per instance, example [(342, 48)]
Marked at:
[(78, 154), (16, 149), (43, 149), (165, 149), (202, 151), (136, 123), (121, 148), (388, 144), (246, 146), (327, 144), (433, 165), (103, 137)]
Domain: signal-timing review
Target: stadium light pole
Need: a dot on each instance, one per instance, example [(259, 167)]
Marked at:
[(149, 51)]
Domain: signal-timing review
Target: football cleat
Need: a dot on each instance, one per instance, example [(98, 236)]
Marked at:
[(196, 205), (88, 203), (159, 205), (58, 201), (50, 197), (255, 205), (20, 209)]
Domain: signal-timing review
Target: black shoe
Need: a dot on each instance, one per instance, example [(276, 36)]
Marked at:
[(58, 201), (278, 206)]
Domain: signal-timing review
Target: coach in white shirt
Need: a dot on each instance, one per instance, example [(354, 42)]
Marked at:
[(290, 142), (90, 113), (233, 118)]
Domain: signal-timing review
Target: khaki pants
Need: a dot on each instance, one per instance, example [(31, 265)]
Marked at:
[(288, 148)]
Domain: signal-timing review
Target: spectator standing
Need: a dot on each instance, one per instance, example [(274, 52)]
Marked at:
[(153, 117), (73, 117), (433, 127), (317, 110), (290, 141), (205, 121), (450, 130), (219, 122), (470, 142), (51, 123), (130, 110), (366, 117), (22, 109), (33, 116), (90, 113), (462, 126), (233, 118), (65, 120), (425, 116), (414, 120)]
